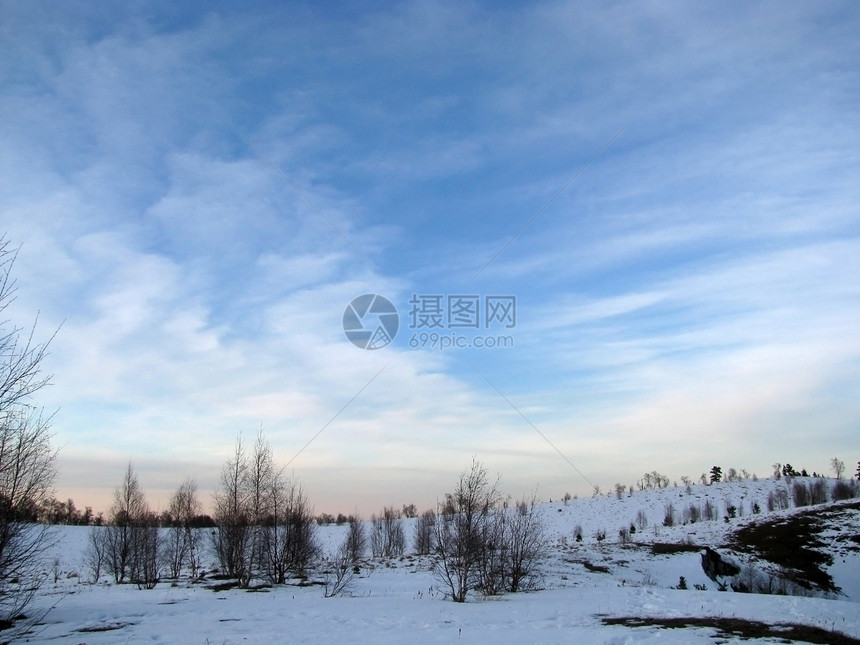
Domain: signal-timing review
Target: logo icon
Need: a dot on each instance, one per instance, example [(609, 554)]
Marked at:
[(370, 321)]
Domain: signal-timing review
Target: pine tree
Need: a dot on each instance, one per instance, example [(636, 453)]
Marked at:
[(716, 474)]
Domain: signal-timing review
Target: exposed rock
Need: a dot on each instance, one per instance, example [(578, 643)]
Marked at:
[(716, 565)]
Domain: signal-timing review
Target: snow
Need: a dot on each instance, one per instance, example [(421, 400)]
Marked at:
[(398, 600)]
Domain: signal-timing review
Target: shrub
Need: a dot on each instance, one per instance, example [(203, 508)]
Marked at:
[(695, 513), (842, 490), (709, 511), (818, 492), (340, 572), (777, 500), (800, 494), (669, 515)]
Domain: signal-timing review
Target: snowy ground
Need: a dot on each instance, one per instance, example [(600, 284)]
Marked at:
[(397, 601)]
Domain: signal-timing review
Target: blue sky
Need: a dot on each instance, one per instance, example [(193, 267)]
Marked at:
[(692, 297)]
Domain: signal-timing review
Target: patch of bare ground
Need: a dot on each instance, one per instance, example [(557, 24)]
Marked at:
[(794, 543), (733, 628)]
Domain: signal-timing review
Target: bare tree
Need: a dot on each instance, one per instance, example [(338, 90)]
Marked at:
[(424, 532), (182, 546), (265, 524), (27, 458), (356, 540), (387, 539), (175, 551), (129, 507), (527, 544), (491, 570), (26, 470), (146, 547), (511, 542), (460, 530), (231, 540), (339, 572), (838, 467), (288, 534), (132, 541), (260, 482), (189, 509), (95, 555), (20, 356)]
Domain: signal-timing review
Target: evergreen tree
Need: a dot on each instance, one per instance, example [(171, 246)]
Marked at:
[(716, 475)]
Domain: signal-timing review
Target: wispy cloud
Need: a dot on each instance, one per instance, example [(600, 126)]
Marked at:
[(692, 296)]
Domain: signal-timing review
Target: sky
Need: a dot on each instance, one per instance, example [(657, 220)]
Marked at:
[(665, 192)]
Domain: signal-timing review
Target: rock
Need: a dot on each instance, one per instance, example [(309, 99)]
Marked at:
[(718, 566)]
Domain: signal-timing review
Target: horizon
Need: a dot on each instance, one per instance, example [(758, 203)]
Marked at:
[(649, 211), (741, 475)]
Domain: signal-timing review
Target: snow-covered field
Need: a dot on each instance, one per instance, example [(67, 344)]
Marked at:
[(585, 584)]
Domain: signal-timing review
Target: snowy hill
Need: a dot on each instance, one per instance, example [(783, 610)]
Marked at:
[(621, 588)]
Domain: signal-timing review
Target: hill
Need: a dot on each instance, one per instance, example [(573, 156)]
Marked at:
[(619, 583)]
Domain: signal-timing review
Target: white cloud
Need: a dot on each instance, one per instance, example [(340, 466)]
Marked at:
[(692, 293)]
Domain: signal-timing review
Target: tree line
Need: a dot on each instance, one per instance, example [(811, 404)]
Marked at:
[(264, 533)]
